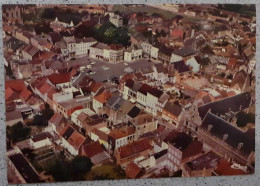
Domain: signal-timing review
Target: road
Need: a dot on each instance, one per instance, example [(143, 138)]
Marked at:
[(114, 69)]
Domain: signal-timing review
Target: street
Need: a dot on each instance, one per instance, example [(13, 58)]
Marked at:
[(113, 69)]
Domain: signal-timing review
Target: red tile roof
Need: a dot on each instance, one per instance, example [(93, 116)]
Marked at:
[(94, 87), (132, 170), (134, 148), (59, 78), (224, 168), (17, 86), (93, 149), (76, 139), (103, 97)]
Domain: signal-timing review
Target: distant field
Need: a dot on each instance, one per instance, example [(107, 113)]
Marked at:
[(150, 10), (144, 8)]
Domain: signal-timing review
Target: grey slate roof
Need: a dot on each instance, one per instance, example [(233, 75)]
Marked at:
[(235, 136)]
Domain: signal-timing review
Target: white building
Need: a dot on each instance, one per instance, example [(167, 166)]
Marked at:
[(40, 140), (133, 53), (72, 47), (116, 20), (192, 62)]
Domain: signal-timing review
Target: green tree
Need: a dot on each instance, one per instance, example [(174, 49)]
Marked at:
[(42, 120), (79, 166), (49, 13), (18, 132), (60, 171)]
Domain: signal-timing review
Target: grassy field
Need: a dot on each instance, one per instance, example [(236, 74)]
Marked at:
[(106, 171)]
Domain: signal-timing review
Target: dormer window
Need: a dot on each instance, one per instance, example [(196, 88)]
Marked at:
[(210, 127), (240, 145), (225, 136)]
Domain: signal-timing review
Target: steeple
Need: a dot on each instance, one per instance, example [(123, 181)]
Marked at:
[(71, 23)]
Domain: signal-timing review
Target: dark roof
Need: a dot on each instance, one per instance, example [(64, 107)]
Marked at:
[(181, 67), (132, 85), (144, 89), (134, 112), (14, 43), (181, 141), (160, 68), (184, 52), (68, 133), (40, 137), (115, 102), (173, 108), (160, 154), (24, 168), (220, 127), (207, 161), (230, 104)]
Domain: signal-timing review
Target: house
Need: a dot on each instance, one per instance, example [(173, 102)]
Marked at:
[(180, 70), (114, 54), (101, 135), (40, 140), (66, 106), (114, 103), (182, 148), (143, 124), (16, 90), (129, 152), (226, 168), (79, 117), (147, 46), (116, 20), (97, 50), (71, 139), (58, 26), (192, 62), (100, 100), (29, 52), (61, 80), (94, 122), (152, 99), (24, 71), (57, 122), (133, 53), (120, 136), (204, 165), (182, 54), (173, 113), (42, 42), (23, 36), (133, 171), (241, 81), (74, 47), (130, 89), (95, 152), (160, 73)]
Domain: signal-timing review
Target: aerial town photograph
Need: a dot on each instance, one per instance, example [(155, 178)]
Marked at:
[(128, 91)]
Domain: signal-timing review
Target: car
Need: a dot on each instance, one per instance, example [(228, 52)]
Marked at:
[(89, 66), (92, 72), (93, 62), (106, 68), (125, 64)]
